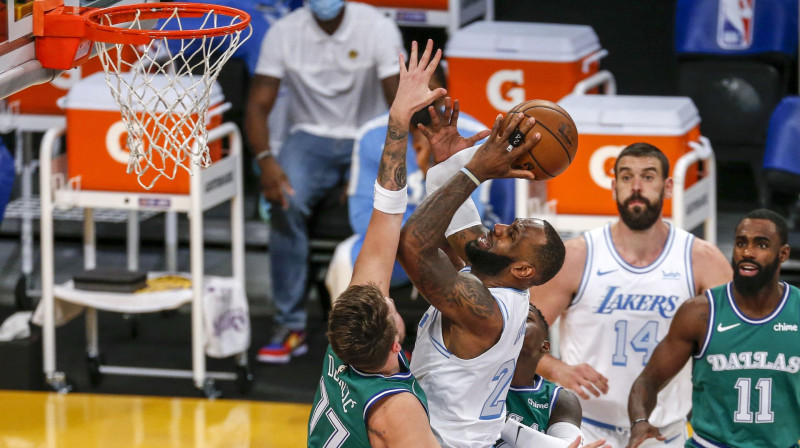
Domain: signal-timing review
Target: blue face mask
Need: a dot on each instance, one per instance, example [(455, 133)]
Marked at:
[(326, 9)]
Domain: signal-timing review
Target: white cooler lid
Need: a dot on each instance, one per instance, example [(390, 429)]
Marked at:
[(631, 115), (92, 93), (546, 42)]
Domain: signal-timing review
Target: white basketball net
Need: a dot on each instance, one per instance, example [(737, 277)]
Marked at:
[(164, 90)]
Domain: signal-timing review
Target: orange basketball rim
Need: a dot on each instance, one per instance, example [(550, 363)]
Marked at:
[(165, 93), (64, 34)]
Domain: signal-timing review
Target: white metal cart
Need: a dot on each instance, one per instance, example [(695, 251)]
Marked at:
[(220, 182), (27, 208)]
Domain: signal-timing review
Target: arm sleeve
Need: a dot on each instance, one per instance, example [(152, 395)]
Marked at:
[(565, 431), (520, 436), (467, 125), (467, 215)]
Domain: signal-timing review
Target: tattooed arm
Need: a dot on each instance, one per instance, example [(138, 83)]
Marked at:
[(376, 259), (461, 298), (686, 335)]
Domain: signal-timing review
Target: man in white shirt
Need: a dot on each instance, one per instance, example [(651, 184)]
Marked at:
[(339, 62)]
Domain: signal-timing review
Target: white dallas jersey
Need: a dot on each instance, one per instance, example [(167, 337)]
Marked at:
[(617, 318), (466, 397)]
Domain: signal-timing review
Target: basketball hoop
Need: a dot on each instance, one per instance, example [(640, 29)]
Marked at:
[(164, 93)]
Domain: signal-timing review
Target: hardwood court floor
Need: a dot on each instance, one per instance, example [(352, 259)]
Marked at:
[(51, 420)]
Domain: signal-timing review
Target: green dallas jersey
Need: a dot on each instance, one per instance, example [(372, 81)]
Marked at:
[(532, 405), (746, 385), (345, 395)]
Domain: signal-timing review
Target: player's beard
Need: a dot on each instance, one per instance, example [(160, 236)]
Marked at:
[(645, 217), (751, 285), (484, 261)]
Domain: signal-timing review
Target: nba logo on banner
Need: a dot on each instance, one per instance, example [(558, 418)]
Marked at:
[(735, 24)]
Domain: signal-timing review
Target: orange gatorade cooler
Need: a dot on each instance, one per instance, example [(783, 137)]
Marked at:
[(96, 138), (493, 66), (607, 124), (42, 99)]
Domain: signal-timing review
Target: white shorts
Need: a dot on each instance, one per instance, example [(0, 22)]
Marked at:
[(617, 437)]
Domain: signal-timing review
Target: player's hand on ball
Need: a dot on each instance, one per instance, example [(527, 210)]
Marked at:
[(494, 158), (558, 141)]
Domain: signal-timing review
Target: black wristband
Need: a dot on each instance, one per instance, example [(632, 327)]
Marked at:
[(638, 420)]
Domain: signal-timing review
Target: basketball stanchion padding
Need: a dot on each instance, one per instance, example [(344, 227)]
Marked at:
[(559, 142), (164, 93)]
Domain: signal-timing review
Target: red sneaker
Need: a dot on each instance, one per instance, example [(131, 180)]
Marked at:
[(285, 344)]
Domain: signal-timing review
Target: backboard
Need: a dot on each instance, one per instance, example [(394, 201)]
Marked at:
[(18, 65)]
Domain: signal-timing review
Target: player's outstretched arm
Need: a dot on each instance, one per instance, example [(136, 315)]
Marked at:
[(686, 334), (462, 298), (376, 259), (517, 435), (451, 151), (443, 135)]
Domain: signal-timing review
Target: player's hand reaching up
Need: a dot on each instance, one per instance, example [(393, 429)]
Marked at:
[(493, 159), (442, 134), (413, 92)]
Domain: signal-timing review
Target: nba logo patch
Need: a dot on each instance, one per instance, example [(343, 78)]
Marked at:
[(735, 24)]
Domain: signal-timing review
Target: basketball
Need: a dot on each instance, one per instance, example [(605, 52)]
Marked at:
[(559, 143)]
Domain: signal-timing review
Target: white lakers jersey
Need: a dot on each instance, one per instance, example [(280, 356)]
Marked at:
[(466, 397), (617, 318)]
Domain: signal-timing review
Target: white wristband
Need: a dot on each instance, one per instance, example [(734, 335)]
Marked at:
[(521, 436), (471, 176), (565, 431), (390, 201)]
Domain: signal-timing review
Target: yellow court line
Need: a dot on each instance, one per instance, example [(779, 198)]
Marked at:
[(50, 420)]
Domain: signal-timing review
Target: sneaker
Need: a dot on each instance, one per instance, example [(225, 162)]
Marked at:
[(285, 344)]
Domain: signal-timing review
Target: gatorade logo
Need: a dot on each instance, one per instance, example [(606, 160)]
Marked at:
[(601, 165), (114, 136), (504, 89)]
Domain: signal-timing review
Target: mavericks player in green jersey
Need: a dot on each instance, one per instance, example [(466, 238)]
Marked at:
[(540, 413), (367, 396), (745, 338)]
